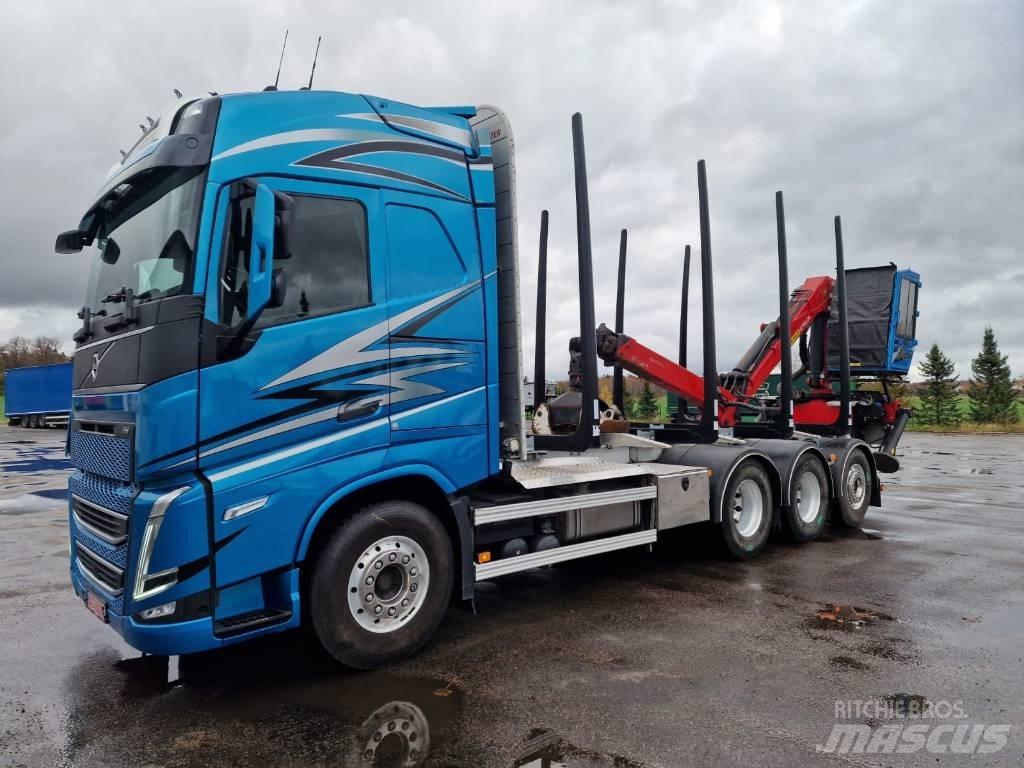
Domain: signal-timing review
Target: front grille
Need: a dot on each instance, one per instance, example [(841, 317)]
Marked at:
[(108, 525), (101, 453), (115, 498), (110, 494), (101, 571)]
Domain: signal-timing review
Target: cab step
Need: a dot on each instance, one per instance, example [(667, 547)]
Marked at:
[(246, 622)]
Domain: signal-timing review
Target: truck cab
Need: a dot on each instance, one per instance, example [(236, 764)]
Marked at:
[(293, 297)]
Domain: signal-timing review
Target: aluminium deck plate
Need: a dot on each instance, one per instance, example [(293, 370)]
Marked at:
[(572, 470)]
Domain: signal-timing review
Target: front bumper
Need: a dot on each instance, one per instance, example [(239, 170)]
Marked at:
[(171, 638), (159, 639)]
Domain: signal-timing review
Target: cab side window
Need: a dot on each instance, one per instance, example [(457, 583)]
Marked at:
[(327, 270)]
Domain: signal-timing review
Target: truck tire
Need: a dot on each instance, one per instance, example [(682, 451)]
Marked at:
[(855, 494), (33, 422), (746, 511), (808, 499), (381, 585)]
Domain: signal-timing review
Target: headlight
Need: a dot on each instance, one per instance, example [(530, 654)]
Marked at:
[(148, 584)]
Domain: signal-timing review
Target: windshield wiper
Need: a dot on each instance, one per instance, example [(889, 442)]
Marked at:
[(83, 333), (129, 315)]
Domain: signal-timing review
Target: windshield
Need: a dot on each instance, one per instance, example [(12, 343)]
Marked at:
[(146, 241)]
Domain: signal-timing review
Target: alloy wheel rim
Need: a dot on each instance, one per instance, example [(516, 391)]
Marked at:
[(388, 584), (856, 485)]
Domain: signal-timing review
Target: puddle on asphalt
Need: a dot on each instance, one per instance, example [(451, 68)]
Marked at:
[(60, 494), (28, 503), (848, 662), (280, 703), (891, 649), (836, 533), (546, 749), (845, 617)]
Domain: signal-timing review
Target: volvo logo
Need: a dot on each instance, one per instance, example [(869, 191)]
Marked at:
[(97, 358)]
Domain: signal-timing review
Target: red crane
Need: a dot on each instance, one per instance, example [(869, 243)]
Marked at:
[(737, 388)]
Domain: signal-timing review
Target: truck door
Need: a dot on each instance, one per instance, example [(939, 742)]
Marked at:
[(437, 335), (292, 406)]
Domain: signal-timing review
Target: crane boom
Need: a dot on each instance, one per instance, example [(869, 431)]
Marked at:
[(809, 301)]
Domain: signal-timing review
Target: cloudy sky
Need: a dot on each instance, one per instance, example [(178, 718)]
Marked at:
[(906, 118)]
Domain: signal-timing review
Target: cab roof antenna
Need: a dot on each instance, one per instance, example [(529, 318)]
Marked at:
[(177, 93), (311, 71), (279, 63)]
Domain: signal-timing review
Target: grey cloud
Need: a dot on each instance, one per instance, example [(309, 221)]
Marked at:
[(908, 119)]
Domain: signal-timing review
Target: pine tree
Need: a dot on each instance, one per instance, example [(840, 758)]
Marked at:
[(648, 405), (939, 402), (628, 404), (991, 391)]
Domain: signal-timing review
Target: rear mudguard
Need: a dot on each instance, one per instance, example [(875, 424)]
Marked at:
[(841, 448), (723, 460)]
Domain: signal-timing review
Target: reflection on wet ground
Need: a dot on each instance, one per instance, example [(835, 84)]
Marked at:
[(279, 702), (633, 660)]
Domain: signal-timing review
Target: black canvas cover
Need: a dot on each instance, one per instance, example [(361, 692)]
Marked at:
[(868, 310)]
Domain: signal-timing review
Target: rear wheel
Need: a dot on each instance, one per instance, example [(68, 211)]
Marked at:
[(808, 499), (33, 422), (855, 493), (746, 511), (382, 584)]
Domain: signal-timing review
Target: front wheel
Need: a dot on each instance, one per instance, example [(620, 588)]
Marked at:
[(808, 499), (746, 511), (382, 584), (855, 493)]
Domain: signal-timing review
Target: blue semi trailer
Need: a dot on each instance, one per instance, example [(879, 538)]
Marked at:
[(38, 395), (297, 388)]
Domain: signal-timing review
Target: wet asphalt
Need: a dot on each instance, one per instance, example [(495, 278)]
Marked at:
[(632, 660)]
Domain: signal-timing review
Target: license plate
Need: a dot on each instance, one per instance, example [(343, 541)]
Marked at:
[(96, 606)]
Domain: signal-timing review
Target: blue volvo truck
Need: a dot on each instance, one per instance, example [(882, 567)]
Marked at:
[(297, 388)]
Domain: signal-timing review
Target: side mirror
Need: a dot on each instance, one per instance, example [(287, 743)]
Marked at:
[(70, 241), (278, 288), (261, 251), (112, 251)]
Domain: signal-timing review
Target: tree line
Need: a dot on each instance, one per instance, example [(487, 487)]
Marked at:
[(991, 394), (20, 352)]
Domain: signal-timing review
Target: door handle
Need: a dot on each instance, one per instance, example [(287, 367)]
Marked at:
[(366, 409)]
